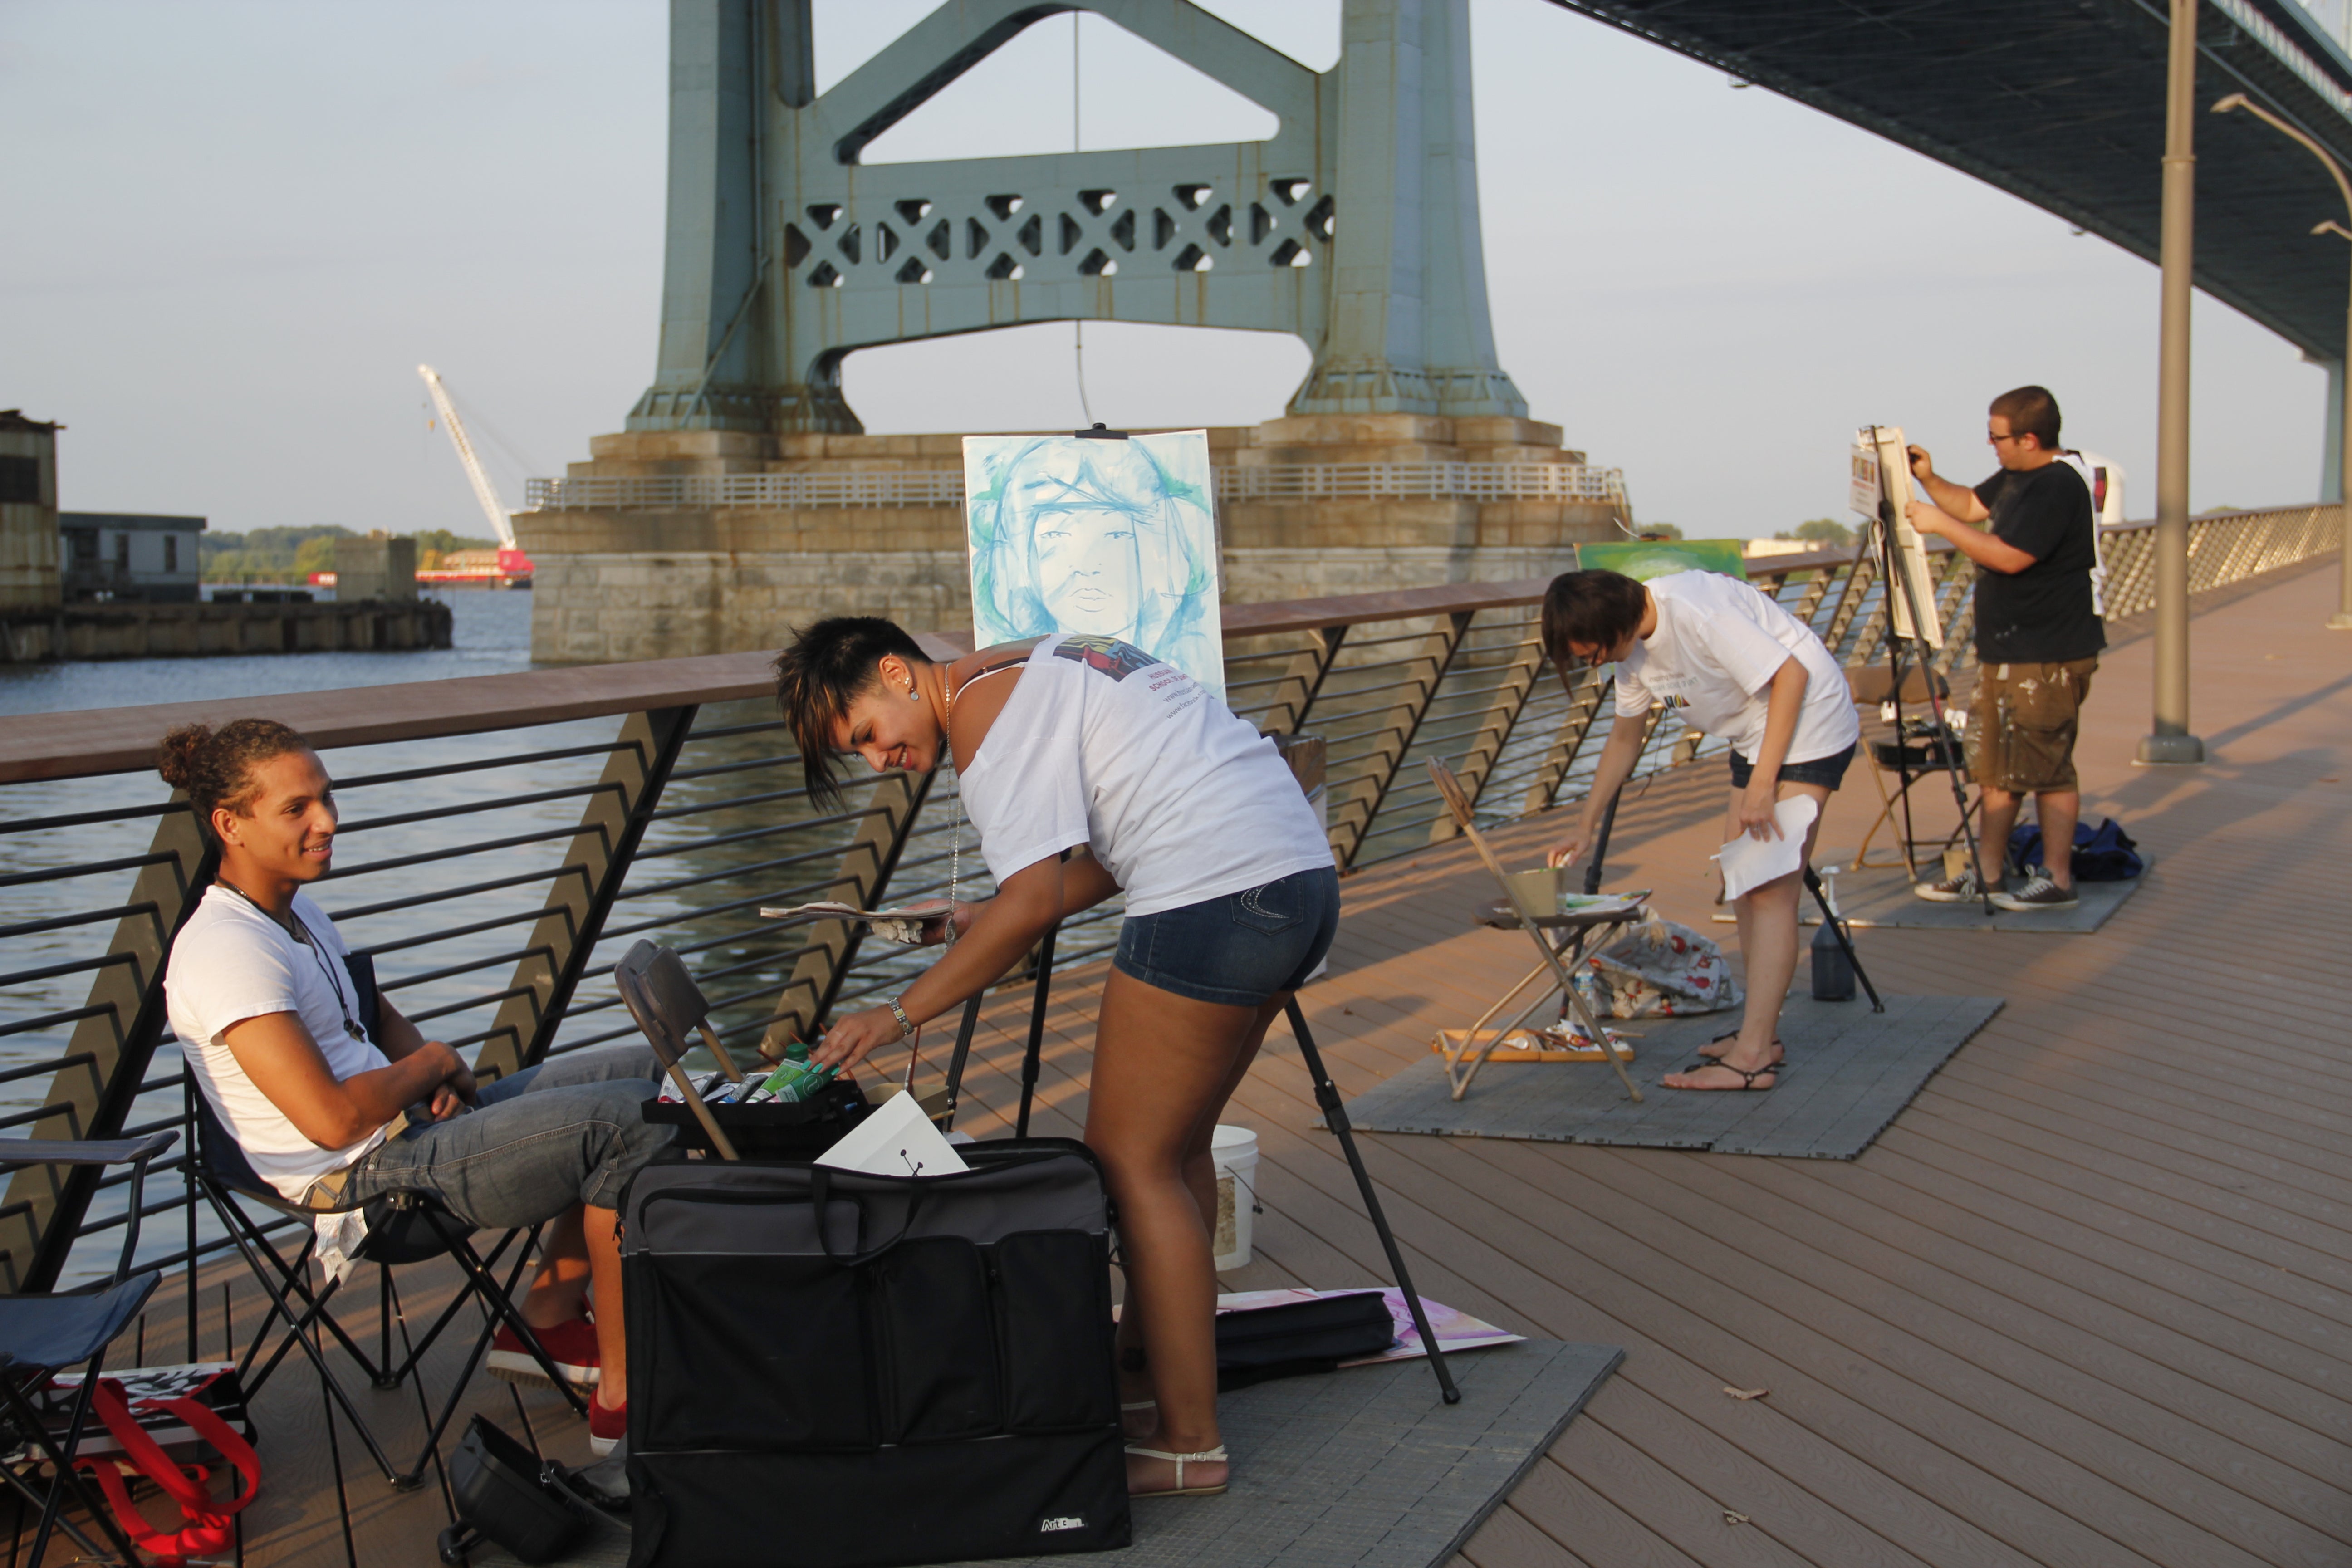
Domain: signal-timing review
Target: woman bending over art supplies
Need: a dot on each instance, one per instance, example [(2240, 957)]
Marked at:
[(1741, 667), (1086, 743)]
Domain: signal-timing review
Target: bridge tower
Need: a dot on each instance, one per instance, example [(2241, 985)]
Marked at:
[(1354, 226)]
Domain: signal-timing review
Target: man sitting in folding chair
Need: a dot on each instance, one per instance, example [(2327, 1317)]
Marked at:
[(265, 1010)]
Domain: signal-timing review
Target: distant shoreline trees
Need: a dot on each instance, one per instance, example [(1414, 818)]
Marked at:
[(1826, 531), (293, 554)]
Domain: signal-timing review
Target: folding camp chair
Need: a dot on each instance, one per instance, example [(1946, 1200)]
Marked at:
[(1533, 906), (1916, 753), (42, 1335), (403, 1228)]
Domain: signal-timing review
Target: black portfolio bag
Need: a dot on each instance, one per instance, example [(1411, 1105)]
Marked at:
[(829, 1370)]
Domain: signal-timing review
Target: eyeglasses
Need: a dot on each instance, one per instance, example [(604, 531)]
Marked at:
[(1997, 440)]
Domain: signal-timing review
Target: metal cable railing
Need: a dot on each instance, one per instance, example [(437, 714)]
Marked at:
[(516, 833)]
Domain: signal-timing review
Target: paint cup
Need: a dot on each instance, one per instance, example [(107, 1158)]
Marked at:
[(1235, 1151)]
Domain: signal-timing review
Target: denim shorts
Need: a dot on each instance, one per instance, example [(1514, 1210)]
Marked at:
[(1238, 949), (1827, 772)]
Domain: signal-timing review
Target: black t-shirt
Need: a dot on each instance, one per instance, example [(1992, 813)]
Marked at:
[(2042, 615)]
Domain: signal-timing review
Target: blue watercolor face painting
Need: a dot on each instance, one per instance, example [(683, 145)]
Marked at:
[(1110, 539)]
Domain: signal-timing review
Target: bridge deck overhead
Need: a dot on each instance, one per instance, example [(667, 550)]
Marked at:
[(2064, 106)]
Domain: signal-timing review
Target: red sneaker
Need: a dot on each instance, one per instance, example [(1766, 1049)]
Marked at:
[(570, 1346), (605, 1428)]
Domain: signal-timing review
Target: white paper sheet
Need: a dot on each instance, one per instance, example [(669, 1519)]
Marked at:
[(896, 1140), (1749, 863)]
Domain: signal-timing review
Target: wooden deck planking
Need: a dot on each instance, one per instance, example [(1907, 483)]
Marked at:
[(2084, 1303)]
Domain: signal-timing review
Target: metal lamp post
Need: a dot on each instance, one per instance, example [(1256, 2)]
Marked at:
[(2169, 740), (2342, 619)]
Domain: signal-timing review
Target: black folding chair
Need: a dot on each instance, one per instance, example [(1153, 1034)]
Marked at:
[(402, 1227), (41, 1336)]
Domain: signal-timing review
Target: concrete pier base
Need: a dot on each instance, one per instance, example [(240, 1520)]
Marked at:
[(632, 585)]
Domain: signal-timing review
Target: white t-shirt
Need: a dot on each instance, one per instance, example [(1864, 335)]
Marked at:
[(231, 962), (1718, 644), (1102, 745)]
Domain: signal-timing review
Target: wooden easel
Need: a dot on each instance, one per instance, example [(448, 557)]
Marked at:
[(1574, 929)]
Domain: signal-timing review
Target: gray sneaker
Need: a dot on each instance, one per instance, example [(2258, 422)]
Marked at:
[(1963, 889), (2040, 893)]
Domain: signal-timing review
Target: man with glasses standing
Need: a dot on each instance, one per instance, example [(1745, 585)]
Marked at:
[(2031, 530)]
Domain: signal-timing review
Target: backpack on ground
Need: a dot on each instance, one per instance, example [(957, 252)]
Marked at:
[(2101, 854)]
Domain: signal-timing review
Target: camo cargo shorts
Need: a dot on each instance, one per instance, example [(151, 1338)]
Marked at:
[(2022, 725)]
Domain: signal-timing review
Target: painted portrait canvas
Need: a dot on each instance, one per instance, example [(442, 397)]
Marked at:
[(1113, 538)]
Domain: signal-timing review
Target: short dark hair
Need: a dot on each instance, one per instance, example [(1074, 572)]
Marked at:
[(215, 766), (1602, 608), (827, 668), (2030, 411)]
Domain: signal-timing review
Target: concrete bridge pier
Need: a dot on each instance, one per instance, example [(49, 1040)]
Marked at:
[(1354, 226)]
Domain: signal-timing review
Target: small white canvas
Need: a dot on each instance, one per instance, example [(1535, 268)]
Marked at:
[(894, 1140), (1099, 538)]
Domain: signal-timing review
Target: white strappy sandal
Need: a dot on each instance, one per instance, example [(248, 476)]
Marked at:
[(1216, 1456)]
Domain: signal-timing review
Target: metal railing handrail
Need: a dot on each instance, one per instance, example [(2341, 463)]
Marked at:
[(93, 742), (502, 891)]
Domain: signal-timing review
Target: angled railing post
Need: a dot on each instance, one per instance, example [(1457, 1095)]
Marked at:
[(1853, 591), (1587, 696), (1302, 682), (1352, 817), (108, 1056), (611, 827), (1485, 749), (866, 866)]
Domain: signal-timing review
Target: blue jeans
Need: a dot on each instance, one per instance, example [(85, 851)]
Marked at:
[(1239, 949), (570, 1131)]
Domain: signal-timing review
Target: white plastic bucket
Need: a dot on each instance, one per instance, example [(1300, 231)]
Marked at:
[(1234, 1151)]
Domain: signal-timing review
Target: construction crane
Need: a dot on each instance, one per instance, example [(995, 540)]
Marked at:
[(510, 557)]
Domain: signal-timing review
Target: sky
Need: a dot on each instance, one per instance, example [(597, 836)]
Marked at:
[(235, 228)]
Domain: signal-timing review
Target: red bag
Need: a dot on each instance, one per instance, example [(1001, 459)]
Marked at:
[(205, 1525)]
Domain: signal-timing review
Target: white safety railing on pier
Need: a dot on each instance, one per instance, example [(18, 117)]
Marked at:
[(797, 490)]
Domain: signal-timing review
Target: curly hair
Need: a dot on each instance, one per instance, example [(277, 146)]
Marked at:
[(827, 668), (215, 766)]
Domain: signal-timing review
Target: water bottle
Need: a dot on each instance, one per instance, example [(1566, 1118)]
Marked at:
[(1833, 971), (1833, 975)]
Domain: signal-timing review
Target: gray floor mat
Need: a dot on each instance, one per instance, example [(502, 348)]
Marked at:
[(1852, 1071), (1885, 900), (1365, 1468)]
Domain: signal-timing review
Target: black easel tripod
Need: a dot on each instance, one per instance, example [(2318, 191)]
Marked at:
[(1327, 1097), (1890, 567)]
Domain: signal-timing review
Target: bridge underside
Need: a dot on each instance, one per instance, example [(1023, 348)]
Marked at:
[(2064, 106)]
